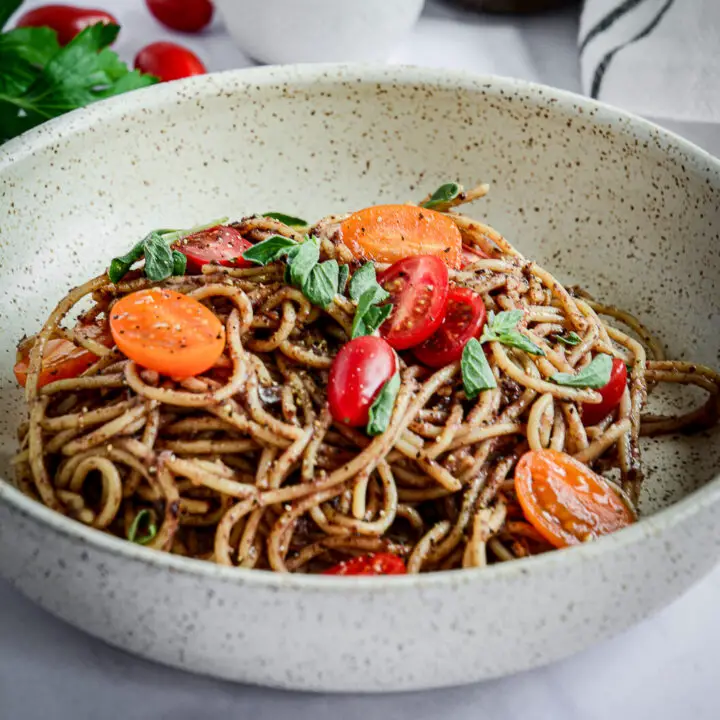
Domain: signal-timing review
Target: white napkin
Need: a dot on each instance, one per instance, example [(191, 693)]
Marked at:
[(657, 58)]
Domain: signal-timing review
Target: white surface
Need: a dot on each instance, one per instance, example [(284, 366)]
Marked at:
[(664, 668)]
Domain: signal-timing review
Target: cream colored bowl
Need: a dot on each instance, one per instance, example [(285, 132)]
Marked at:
[(599, 197)]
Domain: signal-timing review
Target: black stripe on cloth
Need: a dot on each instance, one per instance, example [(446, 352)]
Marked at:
[(603, 66), (609, 20)]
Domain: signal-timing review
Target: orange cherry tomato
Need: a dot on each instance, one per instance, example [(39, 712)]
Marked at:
[(61, 360), (388, 233), (167, 331), (566, 501)]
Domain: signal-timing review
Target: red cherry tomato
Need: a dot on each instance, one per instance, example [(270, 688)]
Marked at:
[(357, 375), (168, 61), (184, 15), (373, 564), (472, 254), (67, 21), (611, 395), (464, 319), (220, 245), (418, 288)]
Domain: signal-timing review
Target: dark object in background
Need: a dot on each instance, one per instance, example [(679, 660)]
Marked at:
[(514, 6)]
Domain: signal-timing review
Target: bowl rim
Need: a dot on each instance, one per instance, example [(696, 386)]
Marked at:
[(205, 86)]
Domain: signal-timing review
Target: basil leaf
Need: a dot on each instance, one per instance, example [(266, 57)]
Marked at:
[(288, 220), (571, 339), (506, 321), (595, 375), (179, 263), (120, 265), (159, 261), (143, 527), (371, 320), (269, 250), (367, 301), (362, 279), (476, 372), (444, 194), (342, 278), (382, 407), (304, 258), (518, 340), (321, 286)]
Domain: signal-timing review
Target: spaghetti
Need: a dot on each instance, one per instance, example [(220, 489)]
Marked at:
[(245, 464)]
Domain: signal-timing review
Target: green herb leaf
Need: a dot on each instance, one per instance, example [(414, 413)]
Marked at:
[(368, 317), (288, 220), (303, 259), (321, 286), (502, 328), (83, 71), (595, 375), (444, 194), (506, 321), (342, 278), (120, 265), (363, 279), (476, 372), (143, 527), (571, 339), (179, 263), (23, 53), (7, 8), (269, 250), (382, 407), (159, 260)]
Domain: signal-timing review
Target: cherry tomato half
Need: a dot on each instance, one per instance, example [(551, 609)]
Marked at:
[(611, 395), (418, 288), (464, 319), (566, 501), (373, 564), (168, 61), (184, 15), (387, 233), (66, 20), (357, 375), (220, 245), (63, 359)]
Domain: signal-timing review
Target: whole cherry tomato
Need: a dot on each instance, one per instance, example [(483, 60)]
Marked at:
[(66, 20), (220, 245), (357, 375), (611, 395), (418, 288), (373, 564), (464, 319), (184, 15), (168, 61)]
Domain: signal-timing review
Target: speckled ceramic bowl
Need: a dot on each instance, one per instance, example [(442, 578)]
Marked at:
[(599, 197)]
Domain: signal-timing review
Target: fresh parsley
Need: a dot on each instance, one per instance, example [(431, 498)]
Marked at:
[(382, 407), (502, 328), (595, 375), (143, 527), (39, 80), (477, 374), (444, 194), (288, 220), (571, 339)]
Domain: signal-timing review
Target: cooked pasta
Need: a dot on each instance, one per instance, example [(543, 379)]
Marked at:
[(258, 459)]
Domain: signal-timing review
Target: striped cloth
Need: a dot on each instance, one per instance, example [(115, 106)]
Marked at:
[(657, 58)]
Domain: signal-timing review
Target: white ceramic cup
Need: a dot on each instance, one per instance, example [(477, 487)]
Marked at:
[(296, 31)]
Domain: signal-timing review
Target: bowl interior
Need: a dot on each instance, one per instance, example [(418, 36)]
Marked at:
[(598, 198)]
